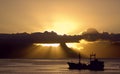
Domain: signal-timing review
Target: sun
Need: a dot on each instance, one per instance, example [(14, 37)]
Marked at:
[(63, 24), (64, 27)]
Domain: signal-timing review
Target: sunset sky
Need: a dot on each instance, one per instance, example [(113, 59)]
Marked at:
[(61, 16)]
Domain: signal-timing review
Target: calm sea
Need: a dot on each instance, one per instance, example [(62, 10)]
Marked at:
[(52, 66)]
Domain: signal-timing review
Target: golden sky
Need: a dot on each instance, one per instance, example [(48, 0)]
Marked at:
[(61, 16)]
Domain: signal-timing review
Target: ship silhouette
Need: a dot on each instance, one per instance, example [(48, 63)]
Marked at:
[(94, 64)]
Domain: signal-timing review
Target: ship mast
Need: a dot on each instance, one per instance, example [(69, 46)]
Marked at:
[(92, 56), (79, 56)]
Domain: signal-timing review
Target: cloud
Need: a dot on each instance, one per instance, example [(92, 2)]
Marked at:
[(90, 34), (93, 35)]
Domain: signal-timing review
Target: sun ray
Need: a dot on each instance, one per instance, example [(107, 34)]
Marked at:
[(53, 45), (75, 46)]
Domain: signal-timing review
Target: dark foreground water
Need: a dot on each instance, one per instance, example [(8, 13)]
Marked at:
[(52, 66)]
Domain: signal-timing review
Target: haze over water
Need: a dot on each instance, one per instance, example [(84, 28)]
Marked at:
[(52, 66)]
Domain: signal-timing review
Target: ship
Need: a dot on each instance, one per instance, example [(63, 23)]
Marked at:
[(94, 64)]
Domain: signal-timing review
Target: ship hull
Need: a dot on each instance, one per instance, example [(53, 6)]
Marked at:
[(77, 65), (80, 66)]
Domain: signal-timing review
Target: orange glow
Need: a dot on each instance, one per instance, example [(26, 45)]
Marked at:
[(53, 45), (46, 51), (74, 46), (63, 24), (64, 27), (83, 41)]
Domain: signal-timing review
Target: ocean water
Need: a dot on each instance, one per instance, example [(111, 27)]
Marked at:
[(52, 66)]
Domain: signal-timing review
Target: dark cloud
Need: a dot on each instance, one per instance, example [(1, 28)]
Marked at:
[(93, 35), (14, 45)]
